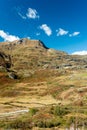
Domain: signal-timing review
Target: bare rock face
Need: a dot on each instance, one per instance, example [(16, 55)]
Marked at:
[(5, 61), (12, 75)]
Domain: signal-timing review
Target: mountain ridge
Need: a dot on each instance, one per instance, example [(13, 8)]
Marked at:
[(28, 56)]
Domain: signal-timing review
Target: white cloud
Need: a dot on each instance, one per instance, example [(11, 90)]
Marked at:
[(61, 32), (37, 34), (32, 13), (74, 34), (7, 36), (46, 29), (80, 53), (28, 37), (23, 17)]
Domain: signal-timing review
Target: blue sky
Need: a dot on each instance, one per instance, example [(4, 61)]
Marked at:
[(60, 24)]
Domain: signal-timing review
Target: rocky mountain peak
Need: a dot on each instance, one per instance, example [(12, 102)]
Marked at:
[(23, 43)]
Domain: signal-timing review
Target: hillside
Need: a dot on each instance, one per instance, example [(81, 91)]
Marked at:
[(27, 56), (35, 77)]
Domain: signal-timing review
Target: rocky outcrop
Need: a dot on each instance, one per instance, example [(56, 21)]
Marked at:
[(5, 61), (5, 65), (12, 75)]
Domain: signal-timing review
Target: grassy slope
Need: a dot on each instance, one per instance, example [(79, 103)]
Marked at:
[(45, 90)]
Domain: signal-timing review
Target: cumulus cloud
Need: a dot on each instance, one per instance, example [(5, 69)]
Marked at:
[(32, 13), (22, 16), (80, 53), (46, 29), (61, 32), (74, 34), (7, 37)]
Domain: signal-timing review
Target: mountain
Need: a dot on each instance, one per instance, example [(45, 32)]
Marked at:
[(27, 56), (50, 83)]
